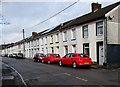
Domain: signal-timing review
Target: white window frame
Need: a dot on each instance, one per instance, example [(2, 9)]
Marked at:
[(99, 27), (74, 49), (45, 40), (65, 36), (51, 38), (85, 31), (73, 34), (57, 37)]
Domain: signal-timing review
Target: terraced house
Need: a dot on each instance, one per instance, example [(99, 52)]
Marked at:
[(96, 34)]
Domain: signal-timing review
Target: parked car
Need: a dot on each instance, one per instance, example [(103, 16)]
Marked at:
[(4, 55), (14, 55), (75, 59), (11, 55), (20, 56), (38, 57), (51, 58)]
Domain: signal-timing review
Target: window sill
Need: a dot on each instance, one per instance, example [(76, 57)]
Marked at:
[(85, 37), (73, 39), (100, 35), (65, 41), (51, 43), (56, 42)]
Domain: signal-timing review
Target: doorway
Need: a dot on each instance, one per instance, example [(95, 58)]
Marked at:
[(100, 53)]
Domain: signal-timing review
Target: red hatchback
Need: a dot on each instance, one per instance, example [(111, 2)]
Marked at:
[(75, 59), (38, 57), (50, 58)]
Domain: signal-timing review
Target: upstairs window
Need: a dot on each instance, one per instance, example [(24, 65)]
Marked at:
[(85, 31), (73, 34), (45, 40), (57, 37), (99, 28), (64, 36), (51, 39)]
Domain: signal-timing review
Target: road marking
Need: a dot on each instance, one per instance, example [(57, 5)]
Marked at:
[(18, 74), (67, 74), (81, 79)]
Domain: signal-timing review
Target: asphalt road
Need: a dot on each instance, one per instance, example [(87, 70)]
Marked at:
[(35, 73)]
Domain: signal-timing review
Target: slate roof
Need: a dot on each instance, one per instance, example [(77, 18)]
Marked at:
[(92, 16)]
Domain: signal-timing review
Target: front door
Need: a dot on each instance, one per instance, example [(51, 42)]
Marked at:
[(101, 57)]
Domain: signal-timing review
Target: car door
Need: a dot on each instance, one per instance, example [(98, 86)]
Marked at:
[(64, 59), (67, 59), (71, 58)]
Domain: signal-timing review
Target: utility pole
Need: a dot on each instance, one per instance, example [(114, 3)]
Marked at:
[(23, 43)]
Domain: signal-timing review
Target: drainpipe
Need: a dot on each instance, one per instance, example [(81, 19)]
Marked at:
[(105, 42)]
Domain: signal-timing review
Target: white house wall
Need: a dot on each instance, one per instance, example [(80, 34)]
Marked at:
[(113, 26)]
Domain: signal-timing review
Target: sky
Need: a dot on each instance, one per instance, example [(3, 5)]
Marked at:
[(25, 14)]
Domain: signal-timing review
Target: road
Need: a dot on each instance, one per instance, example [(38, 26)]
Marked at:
[(35, 73)]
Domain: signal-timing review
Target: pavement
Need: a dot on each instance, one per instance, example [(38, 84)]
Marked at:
[(10, 77)]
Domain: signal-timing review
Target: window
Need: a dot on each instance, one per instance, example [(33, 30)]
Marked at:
[(43, 50), (57, 49), (83, 55), (86, 48), (65, 36), (46, 50), (42, 41), (85, 31), (51, 39), (73, 55), (99, 28), (57, 38), (73, 34), (67, 55), (52, 49), (74, 48), (66, 49), (45, 40)]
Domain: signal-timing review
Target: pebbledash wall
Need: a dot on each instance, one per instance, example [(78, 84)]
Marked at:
[(97, 38)]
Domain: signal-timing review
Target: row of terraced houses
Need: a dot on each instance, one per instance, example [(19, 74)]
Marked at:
[(96, 34)]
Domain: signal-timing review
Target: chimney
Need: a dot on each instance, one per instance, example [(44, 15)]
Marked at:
[(95, 6), (34, 34)]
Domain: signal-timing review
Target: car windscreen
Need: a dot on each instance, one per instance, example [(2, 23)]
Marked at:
[(39, 55), (83, 55), (56, 55)]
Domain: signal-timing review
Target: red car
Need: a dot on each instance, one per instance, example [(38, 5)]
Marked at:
[(50, 58), (75, 59), (38, 57)]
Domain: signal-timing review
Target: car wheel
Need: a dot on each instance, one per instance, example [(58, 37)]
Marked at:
[(60, 63), (74, 64), (42, 61), (48, 61), (35, 60), (38, 60)]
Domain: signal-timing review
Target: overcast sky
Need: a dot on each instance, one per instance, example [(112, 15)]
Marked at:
[(27, 14)]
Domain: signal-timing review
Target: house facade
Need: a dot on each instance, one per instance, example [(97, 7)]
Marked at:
[(94, 34)]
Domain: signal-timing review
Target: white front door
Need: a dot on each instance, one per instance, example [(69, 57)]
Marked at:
[(101, 57)]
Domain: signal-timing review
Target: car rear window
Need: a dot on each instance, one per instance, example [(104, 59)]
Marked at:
[(56, 55), (39, 55), (83, 55)]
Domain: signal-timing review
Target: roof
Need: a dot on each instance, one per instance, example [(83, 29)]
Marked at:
[(92, 16)]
